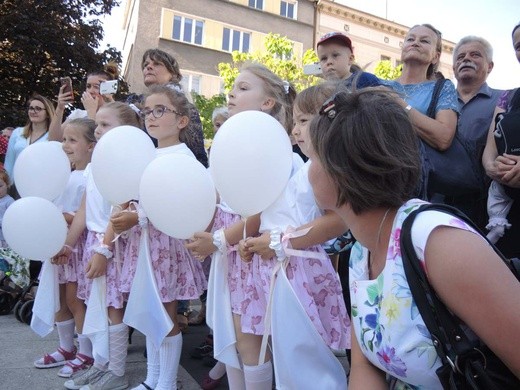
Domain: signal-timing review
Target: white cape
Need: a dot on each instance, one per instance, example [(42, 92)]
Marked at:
[(96, 320), (47, 300), (219, 316), (301, 358), (144, 309)]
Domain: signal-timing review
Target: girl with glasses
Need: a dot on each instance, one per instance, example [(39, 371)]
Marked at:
[(177, 274)]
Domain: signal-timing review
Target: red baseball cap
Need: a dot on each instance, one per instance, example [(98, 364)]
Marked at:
[(338, 37)]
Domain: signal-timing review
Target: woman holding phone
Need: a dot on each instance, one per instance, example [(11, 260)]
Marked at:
[(92, 98)]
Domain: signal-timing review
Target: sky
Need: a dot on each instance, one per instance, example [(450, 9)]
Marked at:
[(490, 19)]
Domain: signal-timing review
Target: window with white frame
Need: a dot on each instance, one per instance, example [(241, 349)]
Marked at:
[(188, 30), (288, 9), (235, 40), (258, 4), (191, 82)]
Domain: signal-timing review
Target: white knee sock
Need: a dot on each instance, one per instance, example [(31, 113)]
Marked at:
[(85, 345), (117, 348), (169, 357), (66, 334), (152, 364), (218, 371), (235, 378), (259, 377)]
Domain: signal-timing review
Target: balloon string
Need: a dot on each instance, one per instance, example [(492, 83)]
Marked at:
[(244, 233)]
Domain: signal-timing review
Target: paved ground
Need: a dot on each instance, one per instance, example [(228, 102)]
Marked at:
[(20, 346)]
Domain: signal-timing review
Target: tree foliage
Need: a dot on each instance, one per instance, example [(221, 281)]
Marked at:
[(206, 107), (384, 70), (279, 57), (41, 41)]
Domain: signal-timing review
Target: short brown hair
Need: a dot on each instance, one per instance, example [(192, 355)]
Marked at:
[(369, 149), (168, 60)]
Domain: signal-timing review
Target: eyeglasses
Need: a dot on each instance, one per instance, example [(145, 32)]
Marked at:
[(35, 109), (157, 111)]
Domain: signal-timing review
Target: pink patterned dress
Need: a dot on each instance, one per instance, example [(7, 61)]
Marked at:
[(98, 213), (178, 275), (314, 281)]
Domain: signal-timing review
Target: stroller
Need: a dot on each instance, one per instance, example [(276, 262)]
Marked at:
[(18, 283)]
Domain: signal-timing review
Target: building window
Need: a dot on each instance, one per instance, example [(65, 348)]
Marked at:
[(385, 58), (258, 4), (191, 83), (235, 40), (288, 9), (188, 30)]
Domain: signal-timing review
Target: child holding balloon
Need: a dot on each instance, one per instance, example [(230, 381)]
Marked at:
[(94, 214), (177, 274), (78, 143), (289, 248), (256, 88)]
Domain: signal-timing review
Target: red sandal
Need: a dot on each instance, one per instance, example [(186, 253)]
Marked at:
[(71, 367), (48, 361)]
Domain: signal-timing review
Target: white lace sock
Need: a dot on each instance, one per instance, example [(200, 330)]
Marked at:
[(66, 336), (218, 371), (259, 377), (169, 357), (117, 348)]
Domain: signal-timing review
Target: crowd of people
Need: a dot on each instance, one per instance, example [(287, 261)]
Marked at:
[(365, 144)]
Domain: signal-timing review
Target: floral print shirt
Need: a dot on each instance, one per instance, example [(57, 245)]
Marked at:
[(389, 329)]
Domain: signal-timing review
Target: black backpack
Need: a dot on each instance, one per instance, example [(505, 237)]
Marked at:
[(467, 363)]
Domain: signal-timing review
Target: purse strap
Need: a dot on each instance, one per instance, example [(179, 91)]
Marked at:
[(448, 336), (435, 97)]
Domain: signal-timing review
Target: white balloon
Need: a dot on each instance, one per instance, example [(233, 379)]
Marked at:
[(251, 161), (118, 162), (177, 195), (42, 169), (34, 228)]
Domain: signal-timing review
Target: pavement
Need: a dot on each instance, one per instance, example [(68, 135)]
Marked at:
[(20, 347)]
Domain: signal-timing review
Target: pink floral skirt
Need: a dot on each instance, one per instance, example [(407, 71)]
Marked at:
[(113, 274), (177, 274), (73, 271), (317, 286)]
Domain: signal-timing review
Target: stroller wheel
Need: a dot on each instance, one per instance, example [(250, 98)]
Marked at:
[(26, 312), (6, 302), (16, 310)]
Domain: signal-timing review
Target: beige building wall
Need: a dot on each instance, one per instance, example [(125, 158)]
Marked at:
[(372, 36), (149, 24)]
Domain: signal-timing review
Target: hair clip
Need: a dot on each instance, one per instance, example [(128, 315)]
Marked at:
[(329, 108), (286, 86), (134, 107)]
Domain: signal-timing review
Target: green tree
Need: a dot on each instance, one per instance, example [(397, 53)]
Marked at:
[(384, 70), (279, 57), (206, 107), (44, 40)]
